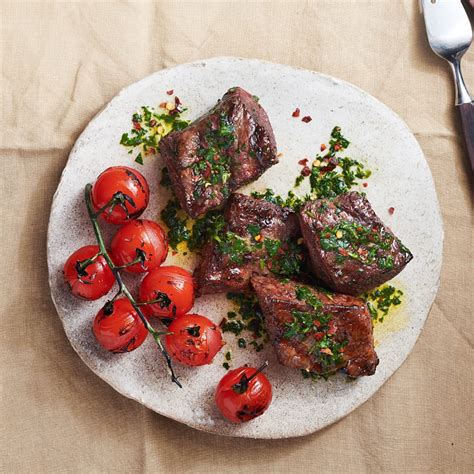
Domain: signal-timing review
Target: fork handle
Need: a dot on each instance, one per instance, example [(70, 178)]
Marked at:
[(467, 122)]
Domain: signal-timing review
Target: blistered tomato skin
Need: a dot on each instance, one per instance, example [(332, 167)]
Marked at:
[(193, 340), (132, 185), (139, 238), (240, 397), (174, 285), (118, 328), (92, 281)]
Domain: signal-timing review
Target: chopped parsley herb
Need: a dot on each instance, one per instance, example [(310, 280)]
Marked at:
[(329, 175), (214, 166), (318, 327), (299, 179), (381, 300), (149, 126), (253, 230), (228, 356), (139, 159), (247, 317), (165, 178), (386, 263), (307, 374), (234, 246), (226, 365), (358, 242), (258, 346), (289, 261), (235, 326), (206, 228), (332, 174), (271, 246), (292, 201), (175, 219)]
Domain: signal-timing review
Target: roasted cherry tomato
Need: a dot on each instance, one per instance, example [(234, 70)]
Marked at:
[(140, 240), (130, 190), (173, 289), (194, 340), (243, 394), (118, 328), (88, 275)]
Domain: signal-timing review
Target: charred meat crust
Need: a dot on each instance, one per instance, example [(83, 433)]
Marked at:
[(216, 272), (353, 322), (339, 271), (248, 150)]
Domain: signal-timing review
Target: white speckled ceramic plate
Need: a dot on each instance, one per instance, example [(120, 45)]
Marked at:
[(401, 178)]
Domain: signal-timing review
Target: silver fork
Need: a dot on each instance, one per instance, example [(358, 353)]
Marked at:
[(450, 35)]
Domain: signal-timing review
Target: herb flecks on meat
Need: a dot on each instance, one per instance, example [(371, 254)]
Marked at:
[(229, 146), (320, 326), (214, 168), (292, 201), (359, 242), (316, 331), (350, 248)]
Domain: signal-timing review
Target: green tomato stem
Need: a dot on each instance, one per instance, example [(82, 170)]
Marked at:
[(122, 287)]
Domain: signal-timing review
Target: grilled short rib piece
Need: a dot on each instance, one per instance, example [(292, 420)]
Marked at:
[(316, 331), (258, 223), (231, 145), (350, 249)]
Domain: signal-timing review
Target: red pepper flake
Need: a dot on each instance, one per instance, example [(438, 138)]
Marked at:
[(137, 126), (306, 119), (322, 147), (170, 92), (174, 253), (337, 147), (296, 113), (317, 323), (343, 252), (365, 184), (327, 168), (163, 105), (152, 122), (152, 150), (362, 252), (305, 171), (177, 108), (318, 336), (391, 210), (303, 162)]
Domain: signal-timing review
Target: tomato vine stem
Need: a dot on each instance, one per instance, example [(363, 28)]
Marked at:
[(118, 277)]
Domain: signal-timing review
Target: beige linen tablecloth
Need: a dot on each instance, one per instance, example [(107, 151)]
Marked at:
[(61, 62)]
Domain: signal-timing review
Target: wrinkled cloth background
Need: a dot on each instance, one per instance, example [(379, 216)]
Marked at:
[(60, 63)]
